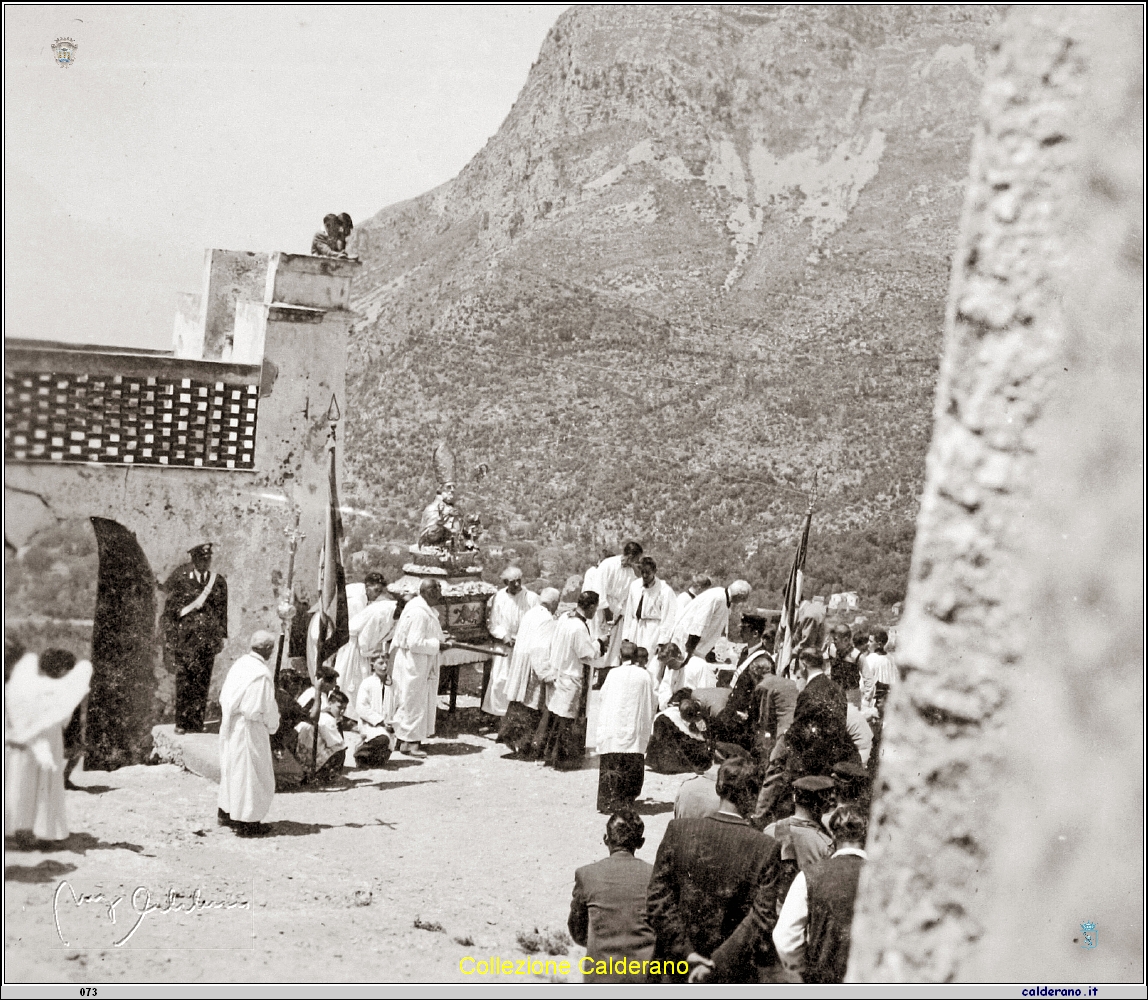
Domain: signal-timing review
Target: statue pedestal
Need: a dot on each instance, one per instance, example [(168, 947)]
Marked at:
[(462, 613)]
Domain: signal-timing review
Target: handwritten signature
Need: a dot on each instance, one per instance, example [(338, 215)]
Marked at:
[(141, 902)]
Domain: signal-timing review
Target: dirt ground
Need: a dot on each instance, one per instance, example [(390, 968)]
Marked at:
[(484, 847)]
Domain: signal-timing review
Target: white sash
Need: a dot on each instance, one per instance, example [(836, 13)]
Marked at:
[(748, 660), (198, 602)]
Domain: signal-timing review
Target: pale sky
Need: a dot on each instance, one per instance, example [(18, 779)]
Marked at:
[(181, 128)]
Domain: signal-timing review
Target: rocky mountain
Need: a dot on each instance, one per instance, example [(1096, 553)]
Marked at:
[(703, 259)]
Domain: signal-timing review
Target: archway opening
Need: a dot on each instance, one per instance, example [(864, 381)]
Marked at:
[(85, 585)]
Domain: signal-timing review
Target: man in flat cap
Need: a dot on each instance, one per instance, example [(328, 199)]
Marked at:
[(195, 630), (503, 618), (852, 784), (250, 716), (803, 838)]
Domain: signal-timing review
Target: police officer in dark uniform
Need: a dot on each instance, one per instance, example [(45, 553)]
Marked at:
[(195, 630)]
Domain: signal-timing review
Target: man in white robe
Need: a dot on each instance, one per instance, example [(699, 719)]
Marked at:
[(417, 642), (611, 580), (370, 628), (698, 585), (250, 716), (529, 661), (503, 619), (706, 618), (571, 650), (651, 610), (625, 724), (36, 709)]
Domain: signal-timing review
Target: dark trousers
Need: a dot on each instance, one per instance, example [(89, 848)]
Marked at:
[(192, 679), (565, 742), (620, 778), (670, 751), (374, 753), (332, 766), (518, 726), (880, 696)]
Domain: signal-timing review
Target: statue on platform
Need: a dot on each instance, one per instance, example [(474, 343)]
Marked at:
[(442, 522)]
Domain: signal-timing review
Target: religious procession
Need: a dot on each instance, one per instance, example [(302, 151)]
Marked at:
[(654, 548), (772, 718)]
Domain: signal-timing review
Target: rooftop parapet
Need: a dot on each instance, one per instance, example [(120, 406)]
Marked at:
[(226, 321)]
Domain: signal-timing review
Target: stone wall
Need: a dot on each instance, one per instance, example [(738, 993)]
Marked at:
[(1010, 800)]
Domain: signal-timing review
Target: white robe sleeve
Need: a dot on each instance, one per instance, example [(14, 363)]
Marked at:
[(630, 622), (378, 627), (258, 704), (499, 623), (669, 615)]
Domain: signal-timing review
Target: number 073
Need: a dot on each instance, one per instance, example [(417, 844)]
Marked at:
[(87, 991)]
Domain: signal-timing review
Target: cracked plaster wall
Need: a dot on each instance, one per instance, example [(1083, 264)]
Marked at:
[(1010, 799)]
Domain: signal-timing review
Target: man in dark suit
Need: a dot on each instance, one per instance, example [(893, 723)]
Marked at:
[(817, 739), (712, 895), (195, 630), (608, 911)]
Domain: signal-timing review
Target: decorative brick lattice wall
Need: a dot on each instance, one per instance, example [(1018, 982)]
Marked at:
[(129, 419)]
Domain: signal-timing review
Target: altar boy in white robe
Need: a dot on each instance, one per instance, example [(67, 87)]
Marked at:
[(503, 618), (372, 746), (250, 716)]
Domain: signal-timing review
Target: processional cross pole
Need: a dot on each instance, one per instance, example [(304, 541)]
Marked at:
[(286, 607)]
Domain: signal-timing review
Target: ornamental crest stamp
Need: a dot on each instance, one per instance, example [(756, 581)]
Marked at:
[(1088, 929), (64, 49)]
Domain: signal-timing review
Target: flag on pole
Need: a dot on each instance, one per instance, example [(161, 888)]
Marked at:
[(783, 644), (334, 619)]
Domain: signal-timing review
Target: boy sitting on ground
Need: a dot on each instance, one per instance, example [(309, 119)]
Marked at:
[(328, 755), (374, 749)]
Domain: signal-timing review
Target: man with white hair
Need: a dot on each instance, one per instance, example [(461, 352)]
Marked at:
[(524, 685), (706, 618), (503, 619), (250, 716), (417, 643)]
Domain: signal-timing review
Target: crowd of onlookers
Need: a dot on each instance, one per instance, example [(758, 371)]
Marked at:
[(756, 874)]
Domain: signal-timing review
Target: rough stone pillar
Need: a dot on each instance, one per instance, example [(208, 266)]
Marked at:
[(1011, 801)]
